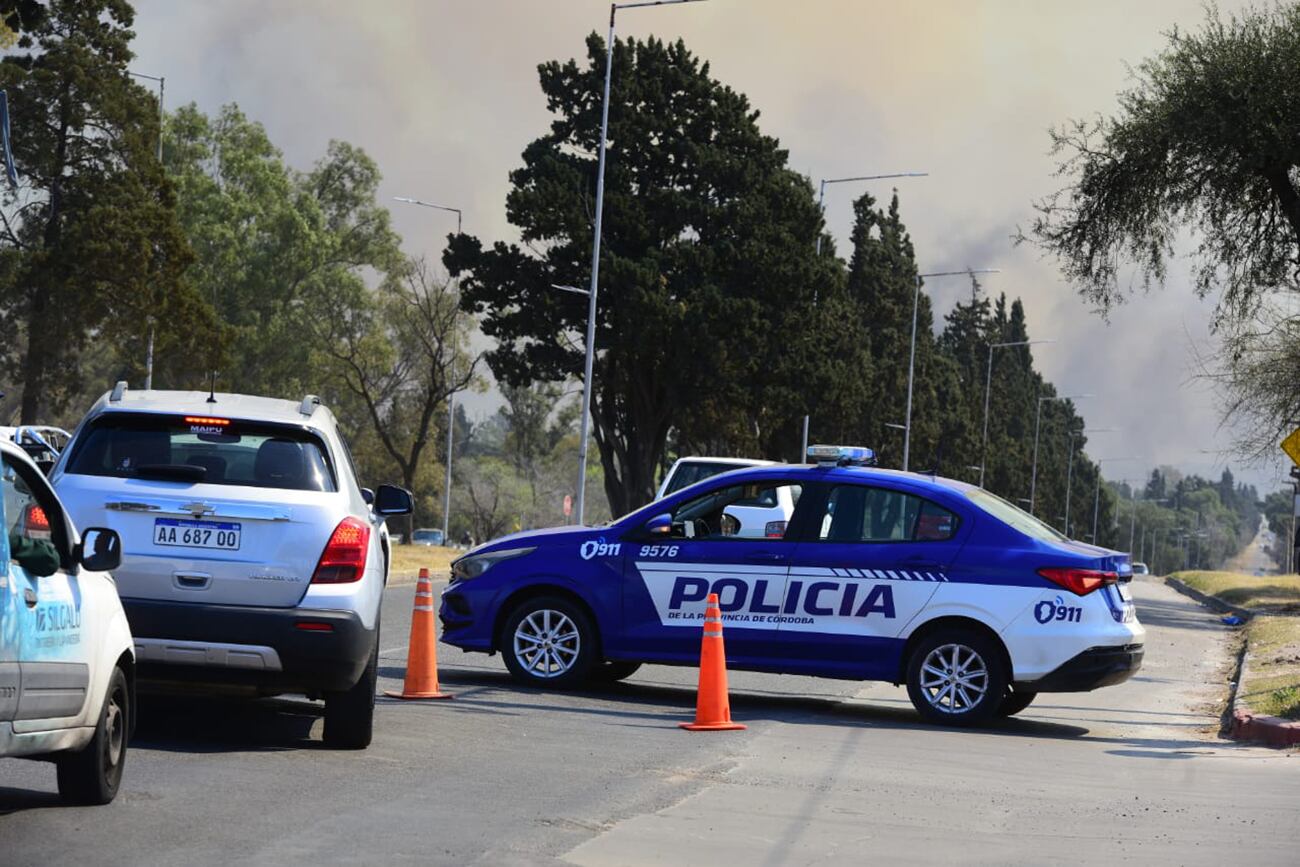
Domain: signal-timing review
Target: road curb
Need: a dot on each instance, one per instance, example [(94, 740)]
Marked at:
[(1244, 724), (1214, 603), (1247, 726)]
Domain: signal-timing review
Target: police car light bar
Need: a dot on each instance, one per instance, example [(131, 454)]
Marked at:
[(842, 456)]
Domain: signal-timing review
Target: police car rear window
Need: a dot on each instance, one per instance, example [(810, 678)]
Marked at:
[(201, 449), (1016, 517)]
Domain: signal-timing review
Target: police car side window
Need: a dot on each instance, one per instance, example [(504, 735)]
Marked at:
[(751, 512), (856, 513)]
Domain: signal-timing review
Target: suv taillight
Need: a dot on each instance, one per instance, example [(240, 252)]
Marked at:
[(344, 558), (1080, 582)]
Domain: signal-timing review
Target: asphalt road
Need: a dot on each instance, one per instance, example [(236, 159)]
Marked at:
[(828, 772)]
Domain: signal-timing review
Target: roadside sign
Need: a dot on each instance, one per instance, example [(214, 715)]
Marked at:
[(1291, 445), (568, 503)]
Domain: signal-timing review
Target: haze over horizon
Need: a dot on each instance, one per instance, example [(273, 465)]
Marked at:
[(444, 97)]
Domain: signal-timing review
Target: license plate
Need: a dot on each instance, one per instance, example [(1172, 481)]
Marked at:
[(180, 533), (1125, 592)]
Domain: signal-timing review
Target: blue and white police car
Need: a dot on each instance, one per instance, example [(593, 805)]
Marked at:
[(972, 603)]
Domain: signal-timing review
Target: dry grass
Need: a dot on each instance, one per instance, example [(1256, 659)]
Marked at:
[(1276, 594), (408, 559), (1272, 684)]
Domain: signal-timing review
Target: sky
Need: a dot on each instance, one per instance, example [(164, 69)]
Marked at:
[(444, 95)]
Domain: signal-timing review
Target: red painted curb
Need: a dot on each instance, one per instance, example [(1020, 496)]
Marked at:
[(1271, 730)]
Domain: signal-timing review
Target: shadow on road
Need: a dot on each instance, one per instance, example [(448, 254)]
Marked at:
[(16, 800), (186, 724)]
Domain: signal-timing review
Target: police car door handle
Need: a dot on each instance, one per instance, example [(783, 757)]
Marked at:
[(767, 556), (920, 563)]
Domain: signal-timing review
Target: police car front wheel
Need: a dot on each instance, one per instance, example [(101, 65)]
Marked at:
[(956, 677), (549, 641)]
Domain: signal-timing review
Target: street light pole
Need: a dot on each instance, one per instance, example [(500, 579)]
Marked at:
[(1096, 496), (911, 360), (451, 398), (595, 247), (162, 85), (988, 386), (821, 198), (1038, 419), (1069, 473)]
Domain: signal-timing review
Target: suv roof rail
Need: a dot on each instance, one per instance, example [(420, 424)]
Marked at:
[(308, 405), (118, 390)]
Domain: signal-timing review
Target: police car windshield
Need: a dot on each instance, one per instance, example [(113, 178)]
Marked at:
[(1016, 517)]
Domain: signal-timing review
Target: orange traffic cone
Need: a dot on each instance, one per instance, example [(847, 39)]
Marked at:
[(712, 707), (422, 657)]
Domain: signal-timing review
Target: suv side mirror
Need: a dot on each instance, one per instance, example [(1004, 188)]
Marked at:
[(100, 550), (392, 500), (660, 525), (368, 495)]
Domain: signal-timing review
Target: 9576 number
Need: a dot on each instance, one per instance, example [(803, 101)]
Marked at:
[(658, 551)]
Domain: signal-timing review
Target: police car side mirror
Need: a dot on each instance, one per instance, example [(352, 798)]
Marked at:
[(660, 525), (100, 550)]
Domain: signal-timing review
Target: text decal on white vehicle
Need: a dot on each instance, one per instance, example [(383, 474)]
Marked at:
[(196, 534)]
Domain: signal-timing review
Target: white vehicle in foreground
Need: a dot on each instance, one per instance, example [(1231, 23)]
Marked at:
[(67, 669), (251, 556), (764, 516)]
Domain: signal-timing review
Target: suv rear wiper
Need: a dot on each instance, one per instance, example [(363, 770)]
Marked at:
[(171, 472)]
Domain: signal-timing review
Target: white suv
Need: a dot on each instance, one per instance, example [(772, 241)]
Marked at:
[(67, 671), (251, 555)]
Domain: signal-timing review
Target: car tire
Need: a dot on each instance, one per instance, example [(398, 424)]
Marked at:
[(612, 671), (350, 715), (1016, 701), (957, 677), (548, 641), (92, 774)]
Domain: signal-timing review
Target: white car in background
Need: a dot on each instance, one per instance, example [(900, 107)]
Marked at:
[(251, 556), (67, 667), (764, 515)]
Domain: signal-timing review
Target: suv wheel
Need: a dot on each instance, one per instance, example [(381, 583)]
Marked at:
[(549, 641), (350, 715), (92, 774), (956, 677)]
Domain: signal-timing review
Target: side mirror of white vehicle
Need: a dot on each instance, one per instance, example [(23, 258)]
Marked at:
[(100, 550), (392, 500), (368, 495), (660, 525)]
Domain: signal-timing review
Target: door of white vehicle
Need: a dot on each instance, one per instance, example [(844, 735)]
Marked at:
[(52, 655)]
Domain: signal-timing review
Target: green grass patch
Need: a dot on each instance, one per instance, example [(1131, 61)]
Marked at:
[(1268, 593), (1272, 683)]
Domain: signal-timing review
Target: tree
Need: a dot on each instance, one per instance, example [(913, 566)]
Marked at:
[(706, 322), (274, 246), (90, 249), (401, 352), (1208, 139)]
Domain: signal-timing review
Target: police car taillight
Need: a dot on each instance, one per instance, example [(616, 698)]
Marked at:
[(1080, 582), (344, 558), (774, 529)]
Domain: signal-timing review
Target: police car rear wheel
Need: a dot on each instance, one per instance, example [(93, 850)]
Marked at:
[(548, 641), (956, 678), (92, 774)]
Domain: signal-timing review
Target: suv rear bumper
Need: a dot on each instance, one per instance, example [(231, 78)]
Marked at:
[(1094, 668), (265, 648)]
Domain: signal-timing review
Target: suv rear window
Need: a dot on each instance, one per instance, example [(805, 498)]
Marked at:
[(214, 451), (697, 471)]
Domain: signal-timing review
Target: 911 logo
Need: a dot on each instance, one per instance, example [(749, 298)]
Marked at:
[(599, 548), (1056, 610)]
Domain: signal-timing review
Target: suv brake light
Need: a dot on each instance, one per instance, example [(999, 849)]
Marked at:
[(35, 519), (344, 558), (1080, 582)]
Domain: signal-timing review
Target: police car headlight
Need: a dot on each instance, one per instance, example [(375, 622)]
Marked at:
[(475, 565)]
